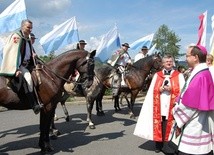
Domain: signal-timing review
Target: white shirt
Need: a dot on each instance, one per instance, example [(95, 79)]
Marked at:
[(165, 98), (124, 59), (211, 69), (139, 56)]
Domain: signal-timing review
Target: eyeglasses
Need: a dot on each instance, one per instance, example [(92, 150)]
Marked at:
[(188, 55)]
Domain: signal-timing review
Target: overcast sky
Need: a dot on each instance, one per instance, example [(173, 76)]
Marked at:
[(134, 19)]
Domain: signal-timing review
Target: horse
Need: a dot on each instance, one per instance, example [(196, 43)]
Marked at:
[(49, 79), (134, 78), (103, 78)]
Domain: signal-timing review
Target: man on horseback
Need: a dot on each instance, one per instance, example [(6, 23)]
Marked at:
[(142, 54), (18, 59), (81, 45), (120, 60)]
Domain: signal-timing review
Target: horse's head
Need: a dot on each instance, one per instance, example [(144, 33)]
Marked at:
[(152, 62), (157, 62), (85, 67)]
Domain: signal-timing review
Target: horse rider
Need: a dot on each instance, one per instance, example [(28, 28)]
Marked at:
[(74, 77), (120, 60), (81, 45), (142, 54), (18, 58)]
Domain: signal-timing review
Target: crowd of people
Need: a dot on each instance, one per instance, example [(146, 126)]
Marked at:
[(187, 102), (175, 95)]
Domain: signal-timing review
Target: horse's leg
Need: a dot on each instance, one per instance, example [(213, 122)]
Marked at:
[(90, 104), (131, 105), (54, 132), (65, 111), (116, 103), (99, 105), (45, 123), (127, 100), (121, 98), (64, 98)]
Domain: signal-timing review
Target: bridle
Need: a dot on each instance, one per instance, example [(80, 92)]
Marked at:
[(88, 60), (156, 62)]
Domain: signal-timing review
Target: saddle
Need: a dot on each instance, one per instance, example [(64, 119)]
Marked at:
[(14, 83), (19, 86)]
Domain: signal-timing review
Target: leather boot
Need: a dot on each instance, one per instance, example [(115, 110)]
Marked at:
[(33, 102)]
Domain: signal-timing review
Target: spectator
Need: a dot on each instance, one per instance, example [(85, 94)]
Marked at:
[(194, 114), (155, 119)]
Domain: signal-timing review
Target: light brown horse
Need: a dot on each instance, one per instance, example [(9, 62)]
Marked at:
[(53, 76)]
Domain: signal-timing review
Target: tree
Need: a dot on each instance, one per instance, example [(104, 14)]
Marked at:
[(48, 57), (167, 42)]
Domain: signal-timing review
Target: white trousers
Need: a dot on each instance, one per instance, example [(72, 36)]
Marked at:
[(27, 77)]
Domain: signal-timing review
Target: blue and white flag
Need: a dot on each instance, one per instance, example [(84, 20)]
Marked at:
[(12, 16), (62, 35), (152, 49), (1, 52), (109, 43), (136, 46), (212, 37)]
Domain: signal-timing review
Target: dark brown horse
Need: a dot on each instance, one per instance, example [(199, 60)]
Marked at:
[(53, 76), (134, 78)]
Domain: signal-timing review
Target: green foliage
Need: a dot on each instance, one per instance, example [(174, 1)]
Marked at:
[(167, 42), (49, 57)]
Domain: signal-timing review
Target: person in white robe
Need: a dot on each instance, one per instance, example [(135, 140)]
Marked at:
[(155, 119), (194, 112)]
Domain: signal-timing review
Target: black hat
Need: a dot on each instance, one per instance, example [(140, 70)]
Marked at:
[(82, 42), (126, 45), (32, 36), (144, 48)]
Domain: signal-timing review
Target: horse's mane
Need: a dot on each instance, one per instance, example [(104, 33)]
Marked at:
[(61, 57), (103, 70), (141, 62)]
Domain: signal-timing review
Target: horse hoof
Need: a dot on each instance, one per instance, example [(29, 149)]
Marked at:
[(132, 116), (55, 132), (46, 151), (67, 119), (91, 126), (117, 109), (100, 113), (47, 148)]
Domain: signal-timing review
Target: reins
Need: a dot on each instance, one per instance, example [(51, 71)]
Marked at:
[(58, 76)]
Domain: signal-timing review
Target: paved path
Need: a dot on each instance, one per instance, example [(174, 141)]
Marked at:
[(19, 132)]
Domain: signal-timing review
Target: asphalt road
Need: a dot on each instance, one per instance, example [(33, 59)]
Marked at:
[(19, 133)]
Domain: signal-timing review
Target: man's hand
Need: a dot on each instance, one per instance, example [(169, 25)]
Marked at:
[(34, 55), (165, 88), (177, 131), (18, 72)]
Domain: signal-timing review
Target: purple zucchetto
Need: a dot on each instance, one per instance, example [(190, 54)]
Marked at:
[(203, 49)]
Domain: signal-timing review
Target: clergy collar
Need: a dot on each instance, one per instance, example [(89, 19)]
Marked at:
[(167, 72)]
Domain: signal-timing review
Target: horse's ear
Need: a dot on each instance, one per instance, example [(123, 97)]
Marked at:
[(93, 53)]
